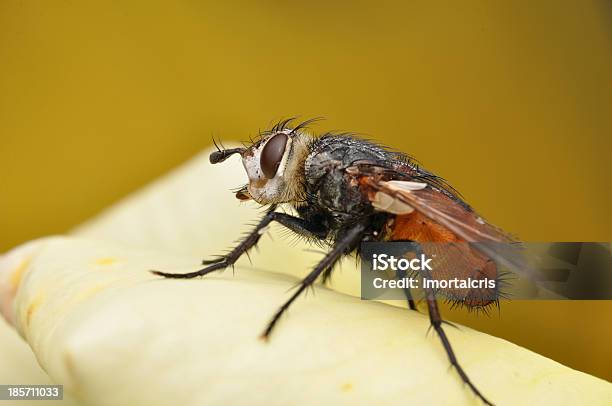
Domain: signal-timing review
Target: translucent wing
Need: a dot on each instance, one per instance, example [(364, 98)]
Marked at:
[(429, 211)]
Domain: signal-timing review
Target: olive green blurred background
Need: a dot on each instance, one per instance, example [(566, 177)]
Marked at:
[(510, 101)]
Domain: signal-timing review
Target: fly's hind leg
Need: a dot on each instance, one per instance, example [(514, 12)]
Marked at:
[(343, 246), (295, 224), (436, 322), (401, 274)]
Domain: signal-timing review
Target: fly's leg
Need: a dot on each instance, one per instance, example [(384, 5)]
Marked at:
[(343, 246), (295, 224), (326, 277), (401, 274), (436, 322)]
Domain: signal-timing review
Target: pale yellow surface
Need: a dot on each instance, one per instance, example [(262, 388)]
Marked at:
[(96, 319), (114, 334), (19, 367)]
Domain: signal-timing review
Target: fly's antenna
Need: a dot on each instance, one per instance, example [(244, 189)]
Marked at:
[(221, 154)]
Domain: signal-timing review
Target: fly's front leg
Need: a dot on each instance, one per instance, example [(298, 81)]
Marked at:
[(295, 224)]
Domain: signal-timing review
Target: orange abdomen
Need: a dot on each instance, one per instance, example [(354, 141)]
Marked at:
[(417, 227), (453, 257)]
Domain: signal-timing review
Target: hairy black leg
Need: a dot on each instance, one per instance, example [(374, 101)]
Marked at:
[(295, 224), (401, 274), (301, 226), (326, 277), (343, 246), (436, 322)]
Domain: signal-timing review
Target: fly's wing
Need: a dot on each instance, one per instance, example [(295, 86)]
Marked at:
[(429, 212)]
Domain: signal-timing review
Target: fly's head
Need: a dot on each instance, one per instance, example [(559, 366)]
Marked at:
[(274, 166)]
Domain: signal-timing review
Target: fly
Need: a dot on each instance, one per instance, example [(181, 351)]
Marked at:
[(345, 191)]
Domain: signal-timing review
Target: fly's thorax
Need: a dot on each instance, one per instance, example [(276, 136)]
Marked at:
[(275, 167), (328, 180)]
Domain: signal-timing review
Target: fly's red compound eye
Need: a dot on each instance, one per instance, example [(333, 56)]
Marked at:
[(272, 154)]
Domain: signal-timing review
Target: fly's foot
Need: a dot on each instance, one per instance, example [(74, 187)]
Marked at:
[(204, 271)]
